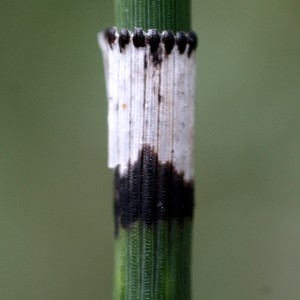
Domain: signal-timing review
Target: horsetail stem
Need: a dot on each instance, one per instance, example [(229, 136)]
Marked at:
[(150, 75)]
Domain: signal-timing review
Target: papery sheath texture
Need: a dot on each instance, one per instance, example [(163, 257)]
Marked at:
[(150, 79)]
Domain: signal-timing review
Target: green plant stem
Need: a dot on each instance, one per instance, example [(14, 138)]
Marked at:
[(159, 14), (164, 272), (152, 262)]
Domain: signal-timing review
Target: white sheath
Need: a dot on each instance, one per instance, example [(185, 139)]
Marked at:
[(151, 97)]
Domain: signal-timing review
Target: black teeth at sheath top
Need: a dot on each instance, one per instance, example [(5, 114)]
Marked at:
[(192, 42), (167, 37), (181, 41), (153, 39), (124, 38), (138, 38), (110, 35)]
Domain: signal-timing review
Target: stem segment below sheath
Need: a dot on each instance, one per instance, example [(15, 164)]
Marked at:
[(157, 267)]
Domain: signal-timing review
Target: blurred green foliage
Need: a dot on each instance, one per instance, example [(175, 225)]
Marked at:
[(56, 229)]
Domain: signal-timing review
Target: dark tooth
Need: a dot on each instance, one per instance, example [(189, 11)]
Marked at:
[(181, 41), (167, 37), (110, 35), (153, 39), (192, 42), (124, 38), (138, 38)]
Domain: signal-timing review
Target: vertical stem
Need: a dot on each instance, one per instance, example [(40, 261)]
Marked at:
[(150, 83), (160, 14)]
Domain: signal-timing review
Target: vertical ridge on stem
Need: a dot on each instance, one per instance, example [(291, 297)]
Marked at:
[(160, 14)]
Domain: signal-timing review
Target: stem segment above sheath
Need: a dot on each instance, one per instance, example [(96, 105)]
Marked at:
[(160, 14)]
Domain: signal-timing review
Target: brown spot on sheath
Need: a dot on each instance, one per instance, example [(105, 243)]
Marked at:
[(124, 105)]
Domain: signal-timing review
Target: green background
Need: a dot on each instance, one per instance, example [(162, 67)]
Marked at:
[(56, 230)]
